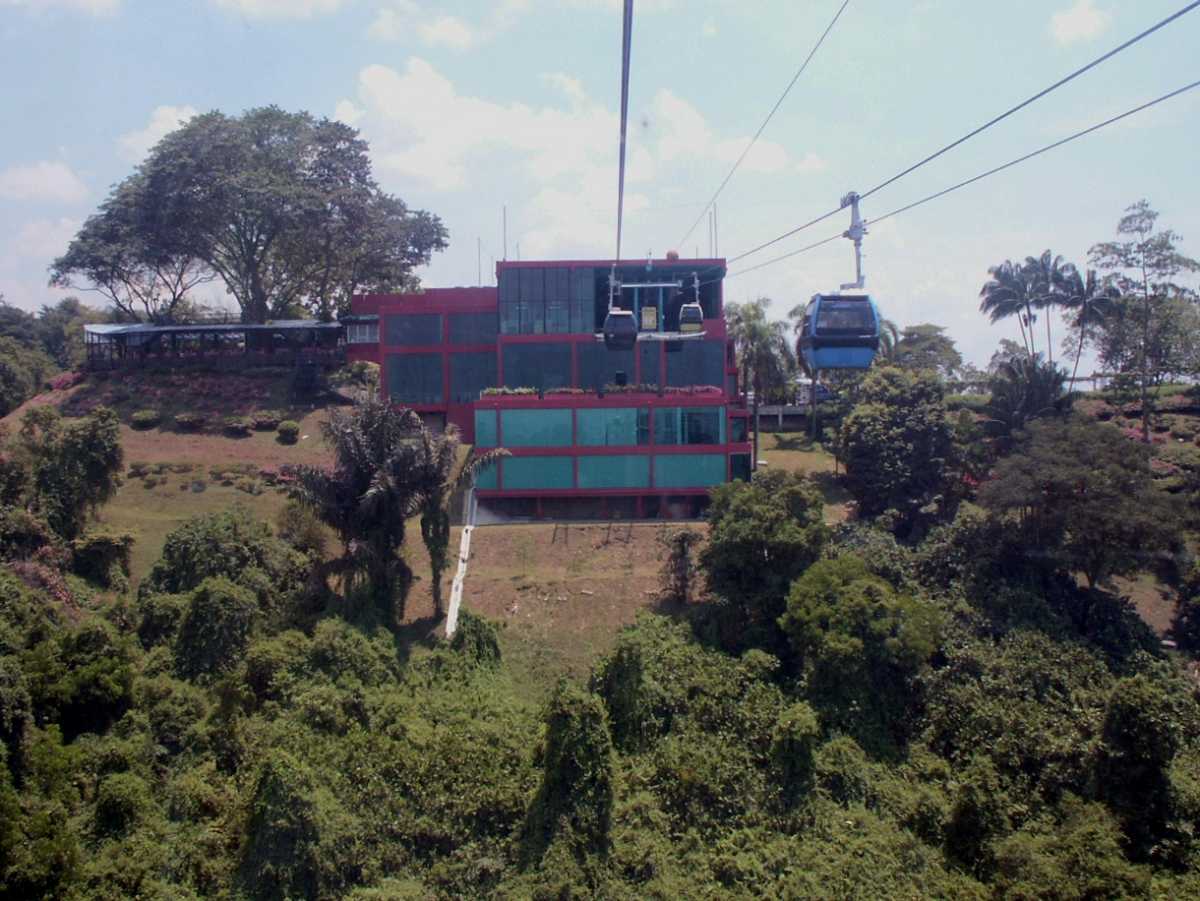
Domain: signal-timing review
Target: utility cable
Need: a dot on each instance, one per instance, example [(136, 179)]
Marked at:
[(970, 181), (766, 121), (997, 119), (626, 44)]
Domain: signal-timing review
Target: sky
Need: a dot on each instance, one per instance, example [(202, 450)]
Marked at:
[(473, 107)]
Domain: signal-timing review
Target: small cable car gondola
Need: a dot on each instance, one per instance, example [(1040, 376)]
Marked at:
[(691, 318), (839, 331), (621, 330)]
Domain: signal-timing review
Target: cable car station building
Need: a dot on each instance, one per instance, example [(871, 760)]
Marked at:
[(593, 432)]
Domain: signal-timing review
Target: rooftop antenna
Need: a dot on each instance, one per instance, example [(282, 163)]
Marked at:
[(855, 233)]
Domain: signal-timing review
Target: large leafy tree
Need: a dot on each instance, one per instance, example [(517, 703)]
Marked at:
[(764, 353), (367, 498), (927, 347), (1144, 263), (436, 476), (898, 447), (281, 206), (1081, 494)]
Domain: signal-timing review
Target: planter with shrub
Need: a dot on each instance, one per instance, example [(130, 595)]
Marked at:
[(237, 426), (145, 419), (289, 431), (267, 420), (190, 422)]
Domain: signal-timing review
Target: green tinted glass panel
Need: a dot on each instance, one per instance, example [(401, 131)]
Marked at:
[(538, 472), (697, 363), (688, 470), (627, 426), (650, 354), (739, 466), (485, 428), (487, 478), (624, 471), (737, 429), (689, 425), (470, 373), (417, 329), (535, 428), (473, 328), (414, 378), (537, 365), (598, 366)]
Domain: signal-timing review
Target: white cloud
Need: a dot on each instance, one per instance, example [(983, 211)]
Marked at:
[(810, 163), (164, 120), (281, 9), (25, 257), (92, 7), (1080, 22), (45, 180), (42, 240), (449, 31)]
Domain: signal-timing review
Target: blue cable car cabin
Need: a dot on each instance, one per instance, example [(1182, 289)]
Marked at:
[(839, 331)]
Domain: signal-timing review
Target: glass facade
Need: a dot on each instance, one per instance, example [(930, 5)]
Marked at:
[(598, 366), (549, 300), (688, 470), (537, 365), (537, 473), (413, 329), (650, 353), (739, 467), (488, 478), (485, 428), (738, 430), (470, 373), (414, 378), (697, 363), (689, 425), (623, 471), (535, 428), (620, 427), (473, 328)]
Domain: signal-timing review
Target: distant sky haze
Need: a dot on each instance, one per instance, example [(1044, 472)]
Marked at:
[(471, 106)]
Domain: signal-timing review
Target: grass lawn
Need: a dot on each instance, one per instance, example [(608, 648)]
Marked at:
[(794, 452)]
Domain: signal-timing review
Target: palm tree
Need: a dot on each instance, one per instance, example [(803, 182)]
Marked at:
[(763, 351), (1092, 301), (889, 337), (1047, 276), (367, 497), (1023, 389), (435, 482), (1007, 294)]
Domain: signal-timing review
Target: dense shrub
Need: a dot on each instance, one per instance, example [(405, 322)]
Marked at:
[(145, 419), (215, 628), (266, 420), (121, 801), (22, 534), (104, 558), (289, 431), (302, 529), (477, 640), (238, 426), (190, 421)]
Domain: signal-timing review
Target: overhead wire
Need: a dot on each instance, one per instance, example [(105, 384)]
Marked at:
[(993, 171), (991, 122), (766, 121)]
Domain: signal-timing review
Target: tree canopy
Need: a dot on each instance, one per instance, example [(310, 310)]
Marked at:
[(282, 207)]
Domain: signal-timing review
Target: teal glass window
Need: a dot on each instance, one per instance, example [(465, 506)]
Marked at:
[(598, 366), (485, 428), (538, 473), (414, 330), (621, 427), (697, 363), (470, 373), (537, 365), (650, 355), (510, 311), (688, 470), (737, 429), (487, 478), (739, 466), (623, 471), (414, 378), (473, 328), (535, 428), (689, 425)]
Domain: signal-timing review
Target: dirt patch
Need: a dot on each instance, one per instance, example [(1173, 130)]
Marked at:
[(1155, 602)]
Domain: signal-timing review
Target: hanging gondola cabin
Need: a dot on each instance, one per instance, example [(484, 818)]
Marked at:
[(839, 331), (620, 329)]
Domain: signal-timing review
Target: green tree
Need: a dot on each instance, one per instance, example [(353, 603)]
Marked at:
[(23, 369), (74, 467), (898, 447), (1081, 494), (1009, 293), (927, 347), (215, 630), (860, 646), (1091, 301), (436, 476), (1144, 266), (281, 206), (1047, 276), (1023, 389), (766, 362), (762, 535), (368, 496)]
